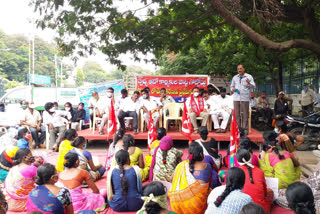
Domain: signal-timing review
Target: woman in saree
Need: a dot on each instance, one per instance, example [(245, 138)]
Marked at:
[(164, 162), (255, 182), (6, 161), (72, 178), (65, 147), (136, 156), (124, 185), (20, 181), (47, 197), (85, 157), (281, 164), (114, 146), (191, 183)]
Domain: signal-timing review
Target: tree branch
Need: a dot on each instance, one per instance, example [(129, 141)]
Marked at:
[(259, 39)]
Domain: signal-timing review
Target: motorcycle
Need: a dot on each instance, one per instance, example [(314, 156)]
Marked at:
[(308, 127)]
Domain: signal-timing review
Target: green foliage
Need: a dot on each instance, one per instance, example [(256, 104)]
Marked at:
[(94, 73), (12, 84), (79, 78), (14, 58)]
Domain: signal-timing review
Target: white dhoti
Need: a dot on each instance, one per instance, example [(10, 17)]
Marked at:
[(215, 118)]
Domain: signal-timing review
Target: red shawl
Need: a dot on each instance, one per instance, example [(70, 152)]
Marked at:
[(197, 109)]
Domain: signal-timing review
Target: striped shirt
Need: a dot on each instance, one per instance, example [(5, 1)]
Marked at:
[(232, 204)]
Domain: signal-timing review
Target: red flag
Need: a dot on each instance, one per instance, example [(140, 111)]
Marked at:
[(112, 122), (152, 132), (234, 139), (186, 123)]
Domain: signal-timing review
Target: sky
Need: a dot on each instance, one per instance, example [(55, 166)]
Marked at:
[(15, 16)]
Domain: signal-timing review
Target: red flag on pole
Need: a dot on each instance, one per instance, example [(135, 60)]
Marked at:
[(234, 139), (152, 132), (112, 122), (186, 123)]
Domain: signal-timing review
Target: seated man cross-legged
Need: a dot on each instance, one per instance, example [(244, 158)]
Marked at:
[(32, 119), (197, 107), (224, 106), (129, 108)]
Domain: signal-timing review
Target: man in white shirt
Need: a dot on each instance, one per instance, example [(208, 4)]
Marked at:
[(164, 98), (56, 123), (93, 103), (197, 107), (253, 101), (150, 104), (223, 109), (33, 119), (102, 109), (129, 108)]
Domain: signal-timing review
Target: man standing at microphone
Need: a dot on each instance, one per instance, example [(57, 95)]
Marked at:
[(242, 84)]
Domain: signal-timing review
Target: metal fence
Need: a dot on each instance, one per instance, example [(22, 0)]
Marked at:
[(294, 76)]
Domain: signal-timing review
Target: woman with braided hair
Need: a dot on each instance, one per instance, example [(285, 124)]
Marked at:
[(124, 185), (300, 198), (229, 199), (279, 163), (164, 161), (191, 183), (255, 182)]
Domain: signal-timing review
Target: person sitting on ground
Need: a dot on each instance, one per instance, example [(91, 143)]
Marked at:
[(224, 107), (252, 208), (73, 178), (54, 200), (3, 203), (263, 108), (102, 109), (161, 132), (56, 123), (197, 107), (281, 107), (155, 199), (129, 108), (191, 183), (64, 147), (124, 185), (281, 164), (79, 114), (150, 104), (255, 182), (114, 146), (229, 199), (86, 161), (6, 161), (210, 146), (23, 138), (300, 198), (290, 140), (32, 120), (164, 161), (20, 180), (136, 156)]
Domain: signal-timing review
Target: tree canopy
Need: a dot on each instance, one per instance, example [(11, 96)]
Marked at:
[(173, 26)]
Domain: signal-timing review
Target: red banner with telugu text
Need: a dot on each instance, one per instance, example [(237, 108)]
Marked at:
[(176, 85)]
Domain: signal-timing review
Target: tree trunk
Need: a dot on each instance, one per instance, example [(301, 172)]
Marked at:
[(274, 81), (280, 76), (259, 39)]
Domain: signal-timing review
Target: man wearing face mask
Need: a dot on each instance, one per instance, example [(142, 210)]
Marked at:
[(79, 114), (224, 108), (33, 119), (263, 108), (129, 108), (119, 101), (56, 123), (281, 107), (307, 99), (102, 108), (150, 104), (241, 85), (253, 101), (92, 104), (197, 107)]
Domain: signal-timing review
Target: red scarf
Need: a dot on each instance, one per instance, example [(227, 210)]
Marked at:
[(195, 107)]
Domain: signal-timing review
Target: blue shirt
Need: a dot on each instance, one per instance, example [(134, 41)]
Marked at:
[(22, 143), (232, 204)]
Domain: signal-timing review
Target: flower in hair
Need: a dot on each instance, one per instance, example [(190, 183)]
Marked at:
[(164, 161), (219, 199), (121, 175), (190, 156)]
